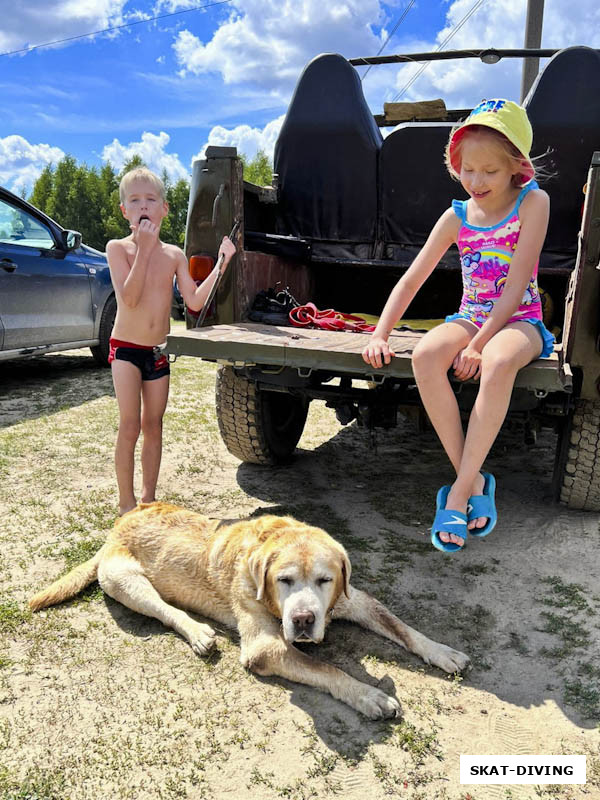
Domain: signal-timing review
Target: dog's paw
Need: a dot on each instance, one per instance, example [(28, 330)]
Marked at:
[(375, 704), (448, 659), (202, 638)]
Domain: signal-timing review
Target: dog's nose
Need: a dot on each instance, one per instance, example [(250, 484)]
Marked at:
[(303, 620)]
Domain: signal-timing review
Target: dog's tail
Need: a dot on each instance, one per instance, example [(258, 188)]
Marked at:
[(69, 585)]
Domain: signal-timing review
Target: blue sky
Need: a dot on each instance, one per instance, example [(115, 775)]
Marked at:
[(225, 74)]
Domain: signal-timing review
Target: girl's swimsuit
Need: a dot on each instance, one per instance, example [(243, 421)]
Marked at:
[(485, 256)]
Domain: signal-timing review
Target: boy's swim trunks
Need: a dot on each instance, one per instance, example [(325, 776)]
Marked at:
[(149, 360)]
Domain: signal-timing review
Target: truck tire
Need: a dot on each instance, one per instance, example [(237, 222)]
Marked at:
[(107, 320), (577, 473), (258, 427)]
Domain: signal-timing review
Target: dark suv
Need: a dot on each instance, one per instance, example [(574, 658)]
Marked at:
[(55, 292)]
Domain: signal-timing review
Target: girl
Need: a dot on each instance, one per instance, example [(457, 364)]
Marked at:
[(498, 329)]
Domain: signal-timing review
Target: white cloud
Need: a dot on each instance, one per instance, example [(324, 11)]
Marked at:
[(21, 162), (152, 149), (267, 42), (40, 21), (247, 140), (500, 24)]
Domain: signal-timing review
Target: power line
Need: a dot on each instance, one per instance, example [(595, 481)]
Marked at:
[(455, 30), (114, 28), (392, 32)]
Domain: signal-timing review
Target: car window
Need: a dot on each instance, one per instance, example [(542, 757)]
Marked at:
[(19, 227)]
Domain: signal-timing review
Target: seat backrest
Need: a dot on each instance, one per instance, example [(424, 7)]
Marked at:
[(415, 187), (564, 108), (326, 159)]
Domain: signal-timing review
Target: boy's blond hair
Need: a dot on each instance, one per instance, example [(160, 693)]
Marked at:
[(141, 174)]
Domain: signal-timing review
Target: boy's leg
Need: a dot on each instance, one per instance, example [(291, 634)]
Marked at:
[(432, 358), (505, 354), (154, 402), (127, 380)]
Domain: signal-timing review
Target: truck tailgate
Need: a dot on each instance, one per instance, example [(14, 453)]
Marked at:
[(339, 352)]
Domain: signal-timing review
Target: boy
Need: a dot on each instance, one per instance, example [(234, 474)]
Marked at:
[(142, 269)]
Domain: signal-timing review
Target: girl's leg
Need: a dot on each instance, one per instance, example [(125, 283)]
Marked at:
[(505, 354), (154, 397), (127, 380), (432, 358)]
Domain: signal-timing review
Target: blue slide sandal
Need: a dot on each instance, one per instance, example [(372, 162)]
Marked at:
[(484, 505), (448, 521)]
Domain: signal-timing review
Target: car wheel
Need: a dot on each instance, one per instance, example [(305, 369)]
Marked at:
[(107, 320), (577, 468), (258, 426)]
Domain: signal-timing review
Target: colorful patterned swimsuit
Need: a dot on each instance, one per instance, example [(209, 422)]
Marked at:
[(485, 256)]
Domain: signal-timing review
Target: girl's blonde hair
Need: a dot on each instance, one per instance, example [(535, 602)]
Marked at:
[(141, 174), (516, 158)]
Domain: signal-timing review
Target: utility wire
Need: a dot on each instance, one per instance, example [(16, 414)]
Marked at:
[(114, 28), (392, 32), (455, 30)]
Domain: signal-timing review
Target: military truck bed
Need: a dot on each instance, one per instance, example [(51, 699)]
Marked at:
[(339, 352)]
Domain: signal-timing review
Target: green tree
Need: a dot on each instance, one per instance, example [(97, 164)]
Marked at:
[(258, 170), (59, 206), (177, 197), (115, 224), (42, 188)]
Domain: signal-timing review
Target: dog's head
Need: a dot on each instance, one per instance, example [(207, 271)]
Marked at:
[(299, 572)]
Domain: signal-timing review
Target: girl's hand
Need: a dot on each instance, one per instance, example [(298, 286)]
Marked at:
[(375, 349), (467, 364)]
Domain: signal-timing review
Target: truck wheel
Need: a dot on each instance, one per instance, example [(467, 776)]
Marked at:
[(257, 426), (107, 320), (577, 471)]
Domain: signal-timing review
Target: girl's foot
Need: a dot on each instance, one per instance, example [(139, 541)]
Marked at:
[(478, 487), (458, 502)]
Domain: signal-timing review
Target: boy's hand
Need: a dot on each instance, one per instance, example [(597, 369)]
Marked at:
[(227, 250), (145, 234), (375, 349)]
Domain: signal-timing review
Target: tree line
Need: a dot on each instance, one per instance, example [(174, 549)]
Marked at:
[(86, 199)]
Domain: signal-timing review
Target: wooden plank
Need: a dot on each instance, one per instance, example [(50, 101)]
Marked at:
[(423, 109), (336, 351)]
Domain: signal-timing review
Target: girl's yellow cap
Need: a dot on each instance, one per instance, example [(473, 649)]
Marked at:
[(507, 118)]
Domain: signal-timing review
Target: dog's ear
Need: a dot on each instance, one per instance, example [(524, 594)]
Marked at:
[(346, 572), (258, 564)]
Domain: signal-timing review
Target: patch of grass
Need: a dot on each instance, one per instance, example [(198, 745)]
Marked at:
[(12, 616), (571, 633), (80, 552), (584, 697), (475, 624), (38, 784), (417, 742), (563, 595)]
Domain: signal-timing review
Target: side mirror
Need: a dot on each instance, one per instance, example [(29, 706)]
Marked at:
[(70, 240)]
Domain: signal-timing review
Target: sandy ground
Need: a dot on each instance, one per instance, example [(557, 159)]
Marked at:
[(98, 702)]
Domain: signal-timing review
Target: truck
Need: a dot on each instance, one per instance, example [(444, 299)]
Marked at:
[(346, 213)]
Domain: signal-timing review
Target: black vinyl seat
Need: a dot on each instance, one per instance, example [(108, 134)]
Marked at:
[(326, 159), (564, 109)]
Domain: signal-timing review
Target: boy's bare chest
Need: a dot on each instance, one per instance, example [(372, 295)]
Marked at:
[(160, 268)]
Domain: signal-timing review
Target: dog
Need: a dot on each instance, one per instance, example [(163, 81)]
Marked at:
[(274, 579)]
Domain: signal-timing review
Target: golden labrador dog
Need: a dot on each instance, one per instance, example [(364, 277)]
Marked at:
[(277, 580)]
